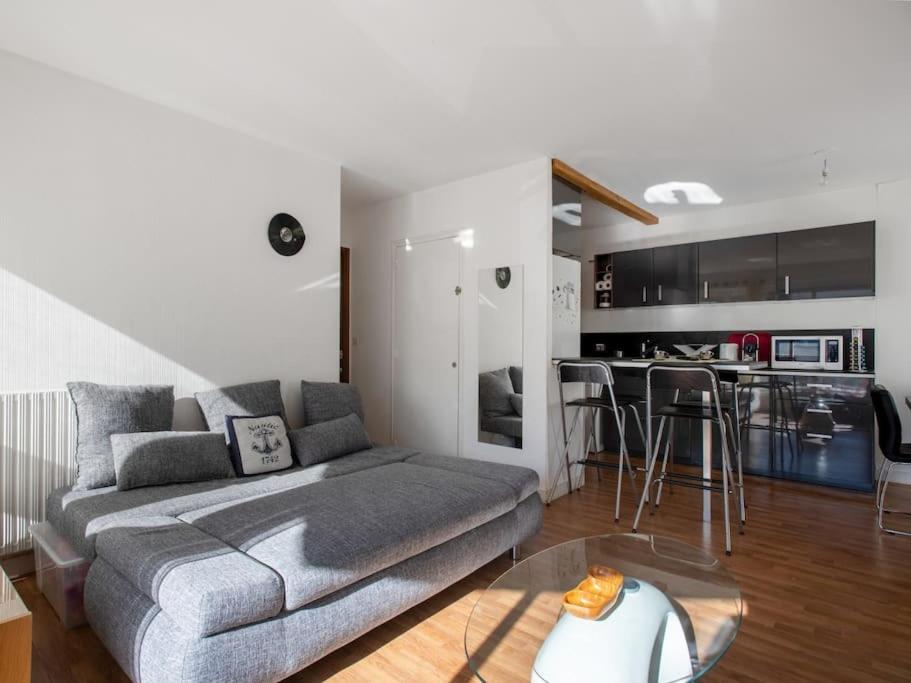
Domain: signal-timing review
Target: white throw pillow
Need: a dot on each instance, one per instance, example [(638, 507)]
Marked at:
[(258, 444)]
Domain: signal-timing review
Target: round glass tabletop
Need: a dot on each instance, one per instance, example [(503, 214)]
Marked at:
[(677, 614)]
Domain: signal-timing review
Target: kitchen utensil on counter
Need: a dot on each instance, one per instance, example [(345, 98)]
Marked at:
[(690, 351), (661, 354), (728, 351), (708, 354), (750, 348)]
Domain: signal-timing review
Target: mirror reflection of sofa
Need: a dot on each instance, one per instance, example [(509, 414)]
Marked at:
[(500, 406)]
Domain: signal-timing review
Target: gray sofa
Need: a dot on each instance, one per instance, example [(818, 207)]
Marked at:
[(252, 579)]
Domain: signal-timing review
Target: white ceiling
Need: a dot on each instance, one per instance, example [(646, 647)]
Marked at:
[(410, 94)]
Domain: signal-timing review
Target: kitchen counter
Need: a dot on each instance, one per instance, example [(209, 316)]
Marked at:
[(718, 364), (745, 367)]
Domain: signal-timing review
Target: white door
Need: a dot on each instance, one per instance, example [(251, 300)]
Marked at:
[(425, 380)]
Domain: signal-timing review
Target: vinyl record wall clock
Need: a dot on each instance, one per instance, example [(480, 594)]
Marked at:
[(503, 275), (286, 234)]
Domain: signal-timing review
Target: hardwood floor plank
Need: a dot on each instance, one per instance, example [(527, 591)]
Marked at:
[(827, 596)]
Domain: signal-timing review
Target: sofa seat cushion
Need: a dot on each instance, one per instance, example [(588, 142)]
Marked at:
[(338, 531), (522, 480), (507, 425), (205, 586), (80, 515)]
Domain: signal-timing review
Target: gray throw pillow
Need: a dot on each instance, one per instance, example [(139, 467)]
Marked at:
[(325, 401), (254, 398), (494, 388), (102, 410), (156, 458), (327, 440), (516, 401), (515, 376)]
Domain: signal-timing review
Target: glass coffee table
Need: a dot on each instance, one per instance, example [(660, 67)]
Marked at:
[(677, 614)]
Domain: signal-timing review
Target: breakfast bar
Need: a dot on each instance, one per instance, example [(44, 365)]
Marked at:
[(642, 364)]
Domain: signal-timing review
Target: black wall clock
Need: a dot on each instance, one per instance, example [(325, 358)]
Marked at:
[(286, 234), (504, 275)]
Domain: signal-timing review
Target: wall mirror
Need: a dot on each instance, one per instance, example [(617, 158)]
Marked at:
[(500, 325)]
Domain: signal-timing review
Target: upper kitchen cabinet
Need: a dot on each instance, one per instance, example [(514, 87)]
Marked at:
[(675, 275), (821, 263), (632, 280), (738, 269)]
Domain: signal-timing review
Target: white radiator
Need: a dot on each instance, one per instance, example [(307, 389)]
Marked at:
[(37, 447)]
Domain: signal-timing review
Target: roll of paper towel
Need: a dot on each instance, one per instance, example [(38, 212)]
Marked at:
[(728, 351)]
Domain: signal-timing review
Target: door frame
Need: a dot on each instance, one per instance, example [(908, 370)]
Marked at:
[(345, 315), (394, 246)]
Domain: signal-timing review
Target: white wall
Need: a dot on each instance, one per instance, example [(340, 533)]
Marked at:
[(893, 297), (509, 211), (795, 213), (133, 246)]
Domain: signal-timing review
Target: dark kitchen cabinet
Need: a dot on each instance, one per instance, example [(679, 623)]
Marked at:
[(738, 269), (675, 274), (820, 263), (632, 280)]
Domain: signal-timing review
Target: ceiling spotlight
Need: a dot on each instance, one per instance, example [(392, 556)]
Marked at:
[(569, 213), (669, 193)]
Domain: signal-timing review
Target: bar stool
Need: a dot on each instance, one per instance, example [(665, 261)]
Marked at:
[(686, 377), (781, 421), (894, 451), (597, 373)]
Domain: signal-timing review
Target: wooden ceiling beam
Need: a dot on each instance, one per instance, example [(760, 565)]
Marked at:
[(594, 189)]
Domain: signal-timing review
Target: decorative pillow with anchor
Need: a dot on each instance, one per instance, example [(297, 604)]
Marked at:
[(258, 444)]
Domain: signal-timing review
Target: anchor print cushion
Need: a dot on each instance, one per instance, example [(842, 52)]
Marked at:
[(258, 444)]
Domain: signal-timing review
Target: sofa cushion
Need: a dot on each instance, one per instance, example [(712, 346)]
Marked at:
[(324, 441), (522, 480), (80, 515), (507, 425), (254, 398), (156, 458), (204, 585), (515, 400), (515, 376), (102, 410), (258, 444), (494, 388), (341, 530), (325, 401)]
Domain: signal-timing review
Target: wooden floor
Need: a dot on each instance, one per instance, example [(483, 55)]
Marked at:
[(827, 597)]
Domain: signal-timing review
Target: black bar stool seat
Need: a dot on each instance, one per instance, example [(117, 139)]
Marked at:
[(603, 401), (692, 411)]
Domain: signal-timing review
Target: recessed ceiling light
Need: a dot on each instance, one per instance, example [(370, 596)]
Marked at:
[(669, 193), (569, 213)]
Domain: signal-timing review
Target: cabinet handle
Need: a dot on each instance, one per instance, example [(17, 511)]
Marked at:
[(818, 386), (659, 292), (824, 411), (819, 436), (644, 293), (787, 285), (705, 289)]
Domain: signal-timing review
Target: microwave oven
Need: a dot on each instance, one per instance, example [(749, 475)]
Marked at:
[(808, 353)]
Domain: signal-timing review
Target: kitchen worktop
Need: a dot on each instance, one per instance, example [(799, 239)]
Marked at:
[(632, 362), (746, 367)]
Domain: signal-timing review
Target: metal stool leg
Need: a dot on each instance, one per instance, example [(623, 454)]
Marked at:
[(738, 481), (667, 448), (564, 456), (724, 483), (882, 505), (649, 471)]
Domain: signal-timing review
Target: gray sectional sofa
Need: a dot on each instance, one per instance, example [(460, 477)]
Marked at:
[(254, 578)]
